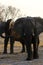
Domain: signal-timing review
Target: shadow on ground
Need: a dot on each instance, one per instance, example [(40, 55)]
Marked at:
[(19, 59)]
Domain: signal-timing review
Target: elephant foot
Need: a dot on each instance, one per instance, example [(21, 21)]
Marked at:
[(35, 56), (11, 52), (4, 52), (22, 51), (29, 59)]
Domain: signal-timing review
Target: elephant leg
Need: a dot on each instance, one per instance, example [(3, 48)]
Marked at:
[(38, 41), (11, 44), (29, 50), (23, 46), (35, 50), (5, 44)]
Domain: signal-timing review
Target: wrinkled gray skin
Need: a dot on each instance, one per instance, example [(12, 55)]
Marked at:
[(38, 23), (23, 29)]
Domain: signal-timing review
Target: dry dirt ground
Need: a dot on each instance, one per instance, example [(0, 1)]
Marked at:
[(19, 58)]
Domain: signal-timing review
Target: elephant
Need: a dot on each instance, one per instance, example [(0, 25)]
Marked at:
[(23, 29), (4, 29), (7, 37), (38, 23)]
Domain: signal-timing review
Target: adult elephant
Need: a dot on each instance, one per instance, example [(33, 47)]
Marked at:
[(23, 29), (4, 29), (38, 23), (7, 37)]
